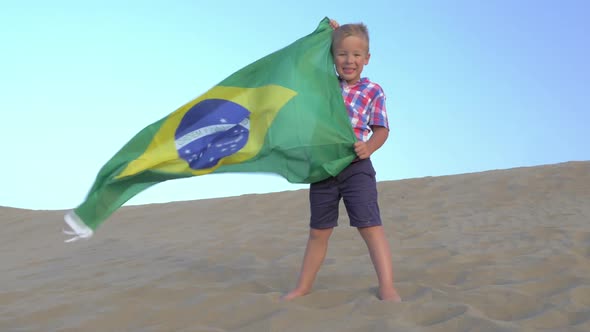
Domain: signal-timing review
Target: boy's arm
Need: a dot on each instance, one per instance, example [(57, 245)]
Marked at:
[(365, 149)]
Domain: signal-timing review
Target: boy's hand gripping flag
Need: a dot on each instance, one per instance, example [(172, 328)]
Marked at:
[(282, 114)]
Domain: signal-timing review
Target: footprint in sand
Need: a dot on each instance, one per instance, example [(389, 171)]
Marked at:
[(504, 304), (580, 296), (431, 314)]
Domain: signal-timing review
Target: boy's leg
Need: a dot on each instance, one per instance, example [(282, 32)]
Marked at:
[(380, 253), (361, 201), (315, 252), (323, 198)]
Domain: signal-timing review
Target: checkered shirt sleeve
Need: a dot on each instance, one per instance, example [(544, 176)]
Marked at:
[(365, 103)]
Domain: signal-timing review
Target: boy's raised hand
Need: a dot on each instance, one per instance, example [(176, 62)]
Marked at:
[(334, 24)]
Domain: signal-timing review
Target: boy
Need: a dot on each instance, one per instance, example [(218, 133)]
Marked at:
[(365, 102)]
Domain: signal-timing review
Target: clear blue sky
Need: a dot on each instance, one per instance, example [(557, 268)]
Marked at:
[(471, 85)]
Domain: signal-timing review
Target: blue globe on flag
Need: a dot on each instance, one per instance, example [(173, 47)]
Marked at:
[(211, 130)]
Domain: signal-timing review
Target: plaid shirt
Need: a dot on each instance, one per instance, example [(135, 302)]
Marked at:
[(365, 103)]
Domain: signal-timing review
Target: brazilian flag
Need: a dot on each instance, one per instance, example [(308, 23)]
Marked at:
[(282, 114)]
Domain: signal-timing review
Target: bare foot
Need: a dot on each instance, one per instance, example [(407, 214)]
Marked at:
[(293, 294), (389, 294)]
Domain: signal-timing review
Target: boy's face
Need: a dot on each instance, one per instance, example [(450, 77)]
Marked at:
[(350, 57)]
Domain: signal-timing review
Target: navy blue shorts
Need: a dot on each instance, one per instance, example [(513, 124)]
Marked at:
[(357, 185)]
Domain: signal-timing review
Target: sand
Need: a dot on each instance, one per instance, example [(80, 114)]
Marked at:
[(503, 250)]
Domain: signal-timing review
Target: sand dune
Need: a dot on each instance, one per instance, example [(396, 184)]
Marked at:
[(505, 250)]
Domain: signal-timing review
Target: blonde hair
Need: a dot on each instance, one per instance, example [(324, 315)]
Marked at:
[(353, 29)]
